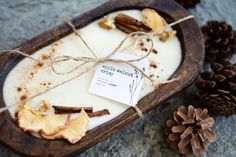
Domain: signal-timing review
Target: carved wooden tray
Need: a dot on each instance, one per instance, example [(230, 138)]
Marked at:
[(192, 46)]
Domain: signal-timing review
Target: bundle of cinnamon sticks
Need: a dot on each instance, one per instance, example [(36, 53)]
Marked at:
[(129, 24), (88, 110)]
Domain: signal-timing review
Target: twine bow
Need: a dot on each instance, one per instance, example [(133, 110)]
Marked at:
[(140, 36)]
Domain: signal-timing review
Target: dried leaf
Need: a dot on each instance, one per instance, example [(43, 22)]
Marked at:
[(164, 36), (106, 23), (44, 107)]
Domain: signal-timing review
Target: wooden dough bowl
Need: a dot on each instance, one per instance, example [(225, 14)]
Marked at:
[(193, 54)]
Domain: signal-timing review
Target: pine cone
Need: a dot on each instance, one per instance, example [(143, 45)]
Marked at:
[(219, 88), (188, 3), (220, 40), (219, 104), (190, 133)]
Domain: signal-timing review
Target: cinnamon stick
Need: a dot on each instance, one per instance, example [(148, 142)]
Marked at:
[(123, 28), (88, 110), (68, 109), (129, 24), (99, 113)]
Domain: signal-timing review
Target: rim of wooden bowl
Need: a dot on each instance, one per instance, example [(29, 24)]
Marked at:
[(189, 35)]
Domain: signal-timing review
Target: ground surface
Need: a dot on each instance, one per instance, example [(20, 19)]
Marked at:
[(21, 20)]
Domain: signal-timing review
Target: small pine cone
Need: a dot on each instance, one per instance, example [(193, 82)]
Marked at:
[(188, 3), (189, 132), (222, 77), (220, 40), (219, 104), (219, 88)]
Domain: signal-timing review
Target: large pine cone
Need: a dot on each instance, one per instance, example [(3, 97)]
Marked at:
[(219, 88), (189, 132), (220, 40), (188, 3)]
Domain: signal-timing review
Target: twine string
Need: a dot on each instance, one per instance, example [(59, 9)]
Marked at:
[(76, 33), (181, 20)]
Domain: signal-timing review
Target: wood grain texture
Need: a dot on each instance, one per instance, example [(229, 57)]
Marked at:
[(191, 42)]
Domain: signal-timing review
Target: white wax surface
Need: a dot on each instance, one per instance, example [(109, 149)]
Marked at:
[(33, 79)]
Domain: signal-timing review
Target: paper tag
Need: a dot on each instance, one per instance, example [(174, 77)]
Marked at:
[(119, 81)]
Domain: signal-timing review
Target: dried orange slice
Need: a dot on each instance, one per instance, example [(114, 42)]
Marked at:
[(32, 121), (75, 130)]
